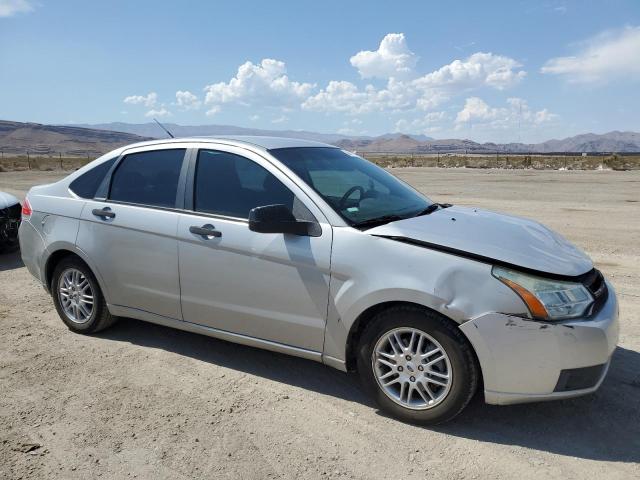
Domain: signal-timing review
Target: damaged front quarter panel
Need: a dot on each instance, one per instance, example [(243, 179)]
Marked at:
[(466, 287), (516, 353)]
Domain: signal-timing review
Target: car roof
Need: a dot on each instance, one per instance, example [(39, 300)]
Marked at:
[(262, 142)]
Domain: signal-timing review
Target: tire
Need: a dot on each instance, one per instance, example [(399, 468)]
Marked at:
[(430, 405), (99, 317)]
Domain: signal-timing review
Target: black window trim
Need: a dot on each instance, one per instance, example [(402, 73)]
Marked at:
[(184, 194), (190, 190), (104, 191), (100, 186)]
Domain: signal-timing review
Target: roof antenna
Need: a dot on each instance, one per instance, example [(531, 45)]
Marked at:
[(162, 127)]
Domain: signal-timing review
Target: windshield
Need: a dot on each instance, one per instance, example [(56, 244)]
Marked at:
[(359, 191)]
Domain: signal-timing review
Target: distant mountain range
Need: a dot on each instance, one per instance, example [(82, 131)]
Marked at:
[(618, 142), (397, 142), (18, 138), (153, 130), (93, 140)]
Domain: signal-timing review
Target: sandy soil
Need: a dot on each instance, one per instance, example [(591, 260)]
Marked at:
[(145, 401)]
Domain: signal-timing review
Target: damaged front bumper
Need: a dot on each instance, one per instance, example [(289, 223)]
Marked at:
[(525, 360)]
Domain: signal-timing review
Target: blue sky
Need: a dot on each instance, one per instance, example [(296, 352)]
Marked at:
[(488, 71)]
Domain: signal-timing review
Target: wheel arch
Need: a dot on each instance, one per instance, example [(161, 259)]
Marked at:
[(362, 320), (64, 251)]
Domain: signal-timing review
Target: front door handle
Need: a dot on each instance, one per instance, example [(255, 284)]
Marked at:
[(104, 213), (207, 230)]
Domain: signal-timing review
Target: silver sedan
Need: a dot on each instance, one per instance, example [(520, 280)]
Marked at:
[(306, 249)]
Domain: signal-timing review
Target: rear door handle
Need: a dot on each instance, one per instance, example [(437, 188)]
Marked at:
[(104, 213), (207, 230)]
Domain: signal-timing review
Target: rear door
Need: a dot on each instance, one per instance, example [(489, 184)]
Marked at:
[(131, 234), (268, 286)]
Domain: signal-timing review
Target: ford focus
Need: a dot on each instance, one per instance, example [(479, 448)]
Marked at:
[(303, 248)]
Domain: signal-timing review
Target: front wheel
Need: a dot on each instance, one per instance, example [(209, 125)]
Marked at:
[(78, 298), (417, 365)]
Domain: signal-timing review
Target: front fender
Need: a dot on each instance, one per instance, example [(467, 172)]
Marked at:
[(367, 271)]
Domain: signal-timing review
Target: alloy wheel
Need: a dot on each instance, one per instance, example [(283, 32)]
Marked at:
[(412, 368), (76, 295)]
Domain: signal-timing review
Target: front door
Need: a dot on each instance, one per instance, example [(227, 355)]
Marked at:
[(268, 286)]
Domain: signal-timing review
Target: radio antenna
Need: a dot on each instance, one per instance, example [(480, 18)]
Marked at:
[(162, 127)]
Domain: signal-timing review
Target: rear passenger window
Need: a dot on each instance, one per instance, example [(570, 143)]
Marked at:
[(231, 185), (148, 178), (87, 184)]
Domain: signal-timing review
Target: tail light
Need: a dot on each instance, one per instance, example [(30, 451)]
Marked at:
[(26, 209)]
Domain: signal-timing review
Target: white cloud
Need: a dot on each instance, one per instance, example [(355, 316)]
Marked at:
[(480, 69), (187, 100), (264, 84), (213, 110), (431, 98), (343, 96), (272, 95), (149, 100), (422, 93), (159, 112), (610, 55), (477, 111), (8, 8), (429, 123), (339, 96), (392, 59), (543, 116), (280, 119)]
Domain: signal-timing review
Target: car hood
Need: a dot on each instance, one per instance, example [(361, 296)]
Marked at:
[(7, 200), (491, 236)]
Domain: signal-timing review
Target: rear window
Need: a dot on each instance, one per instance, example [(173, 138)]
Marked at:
[(148, 178), (87, 184)]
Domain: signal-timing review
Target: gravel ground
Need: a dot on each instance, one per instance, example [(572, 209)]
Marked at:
[(143, 401)]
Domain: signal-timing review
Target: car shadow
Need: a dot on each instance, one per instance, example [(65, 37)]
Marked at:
[(274, 366), (601, 426), (10, 260)]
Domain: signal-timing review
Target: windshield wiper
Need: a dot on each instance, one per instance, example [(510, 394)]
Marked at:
[(377, 221), (384, 219), (432, 208)]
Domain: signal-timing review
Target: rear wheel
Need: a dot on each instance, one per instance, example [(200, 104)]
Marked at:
[(78, 298), (417, 365)]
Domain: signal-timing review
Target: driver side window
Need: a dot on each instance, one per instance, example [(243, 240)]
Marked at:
[(231, 185)]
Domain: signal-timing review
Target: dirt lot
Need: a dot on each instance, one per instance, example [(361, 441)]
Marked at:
[(145, 401)]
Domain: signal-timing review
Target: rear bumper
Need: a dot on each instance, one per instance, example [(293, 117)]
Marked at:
[(523, 360), (32, 248)]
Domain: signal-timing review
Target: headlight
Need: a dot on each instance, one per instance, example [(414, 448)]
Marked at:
[(546, 299)]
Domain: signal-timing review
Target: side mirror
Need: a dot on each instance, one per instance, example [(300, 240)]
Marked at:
[(279, 219)]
